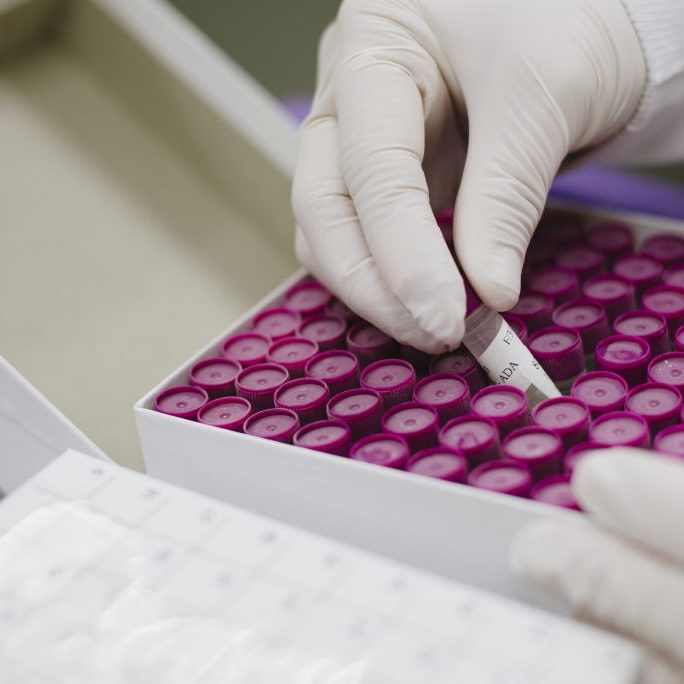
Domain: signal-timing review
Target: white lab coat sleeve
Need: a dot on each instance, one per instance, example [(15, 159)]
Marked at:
[(656, 133)]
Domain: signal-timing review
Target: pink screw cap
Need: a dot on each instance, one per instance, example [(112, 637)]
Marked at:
[(555, 491), (612, 238), (534, 309), (393, 379), (518, 326), (293, 353), (646, 325), (228, 413), (659, 404), (506, 406), (566, 416), (614, 293), (576, 453), (182, 402), (360, 409), (539, 449), (308, 298), (584, 261), (668, 369), (639, 270), (462, 363), (447, 394), (560, 352), (619, 428), (277, 322), (679, 338), (338, 369), (625, 355), (441, 463), (215, 376), (505, 477), (370, 344), (416, 423), (328, 436), (247, 349), (666, 248), (670, 441), (327, 330), (584, 317), (390, 451), (258, 384), (476, 438), (667, 301), (276, 424), (600, 391), (307, 397), (559, 284), (674, 275)]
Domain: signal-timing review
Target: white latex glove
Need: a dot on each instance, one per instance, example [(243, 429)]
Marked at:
[(622, 569), (402, 85)]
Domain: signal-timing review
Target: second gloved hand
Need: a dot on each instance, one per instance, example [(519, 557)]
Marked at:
[(424, 102)]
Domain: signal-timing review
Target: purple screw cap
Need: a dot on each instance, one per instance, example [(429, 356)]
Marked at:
[(646, 325), (506, 406), (215, 376), (619, 428), (329, 436), (674, 275), (576, 453), (659, 404), (560, 352), (625, 355), (639, 270), (228, 413), (584, 317), (668, 369), (601, 391), (326, 330), (276, 424), (670, 441), (505, 477), (370, 344), (534, 309), (679, 338), (416, 423), (258, 384), (568, 417), (539, 449), (612, 238), (390, 451), (277, 322), (182, 402), (360, 409), (518, 326), (393, 379), (556, 491), (559, 284), (446, 393), (440, 462), (614, 293), (476, 438), (667, 301), (664, 247), (307, 397), (247, 349), (338, 308), (338, 369), (293, 353), (462, 363), (308, 298), (583, 261), (420, 360)]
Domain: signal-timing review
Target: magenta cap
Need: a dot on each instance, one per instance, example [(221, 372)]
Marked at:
[(416, 423), (182, 402), (612, 238), (308, 298), (329, 436), (370, 344), (659, 404), (446, 393), (440, 462), (584, 261), (619, 428), (293, 353), (566, 416), (625, 355), (518, 326), (393, 379), (556, 491), (600, 391), (668, 301), (584, 317), (247, 349), (338, 308), (307, 397), (539, 449), (679, 338), (420, 360), (576, 453), (668, 369), (276, 323), (276, 424), (215, 376), (666, 248), (460, 362), (614, 293), (506, 406), (390, 451), (535, 309), (476, 438), (646, 325), (559, 284), (258, 384), (674, 275), (337, 368), (670, 441), (327, 330), (639, 270), (228, 413), (559, 351), (505, 477), (360, 409)]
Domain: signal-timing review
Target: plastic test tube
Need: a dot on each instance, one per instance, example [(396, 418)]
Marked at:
[(276, 322), (447, 394), (215, 376), (308, 298), (670, 441), (576, 453), (588, 319), (535, 310), (506, 406), (337, 368), (307, 397), (614, 293), (476, 438), (659, 404), (390, 451), (258, 384), (668, 369), (327, 330), (247, 349), (566, 416), (539, 449), (559, 284), (561, 354), (640, 271), (584, 261), (667, 301), (360, 409), (556, 491), (646, 325), (441, 463), (392, 379), (328, 436), (619, 428), (612, 238), (625, 355), (416, 423), (518, 326), (184, 401), (600, 391), (276, 424), (664, 247), (462, 363), (293, 353), (228, 413), (505, 477), (370, 344)]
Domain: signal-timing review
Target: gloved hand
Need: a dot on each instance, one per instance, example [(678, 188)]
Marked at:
[(623, 569), (403, 87)]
